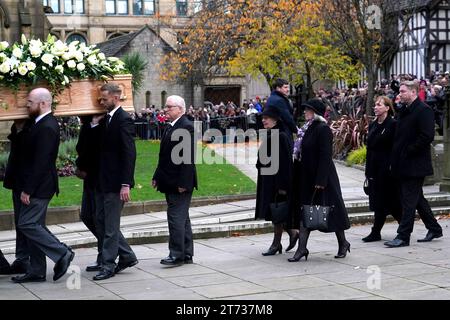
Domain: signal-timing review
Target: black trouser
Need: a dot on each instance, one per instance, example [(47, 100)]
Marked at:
[(180, 232), (22, 251), (88, 214), (3, 262), (411, 194), (41, 242), (380, 219), (110, 238)]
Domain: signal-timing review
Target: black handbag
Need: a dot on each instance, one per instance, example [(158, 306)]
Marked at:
[(315, 217), (279, 211)]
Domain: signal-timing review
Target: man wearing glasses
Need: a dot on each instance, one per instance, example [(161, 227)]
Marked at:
[(176, 177)]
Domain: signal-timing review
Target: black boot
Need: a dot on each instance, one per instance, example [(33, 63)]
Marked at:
[(302, 243), (276, 243), (344, 245)]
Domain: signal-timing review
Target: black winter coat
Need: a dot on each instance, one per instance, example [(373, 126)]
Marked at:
[(411, 155), (267, 186), (283, 106), (383, 192), (317, 168)]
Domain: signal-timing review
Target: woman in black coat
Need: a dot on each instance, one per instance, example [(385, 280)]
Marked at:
[(383, 193), (316, 174), (274, 176)]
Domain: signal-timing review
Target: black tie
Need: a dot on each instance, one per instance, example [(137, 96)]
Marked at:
[(108, 119), (166, 132)]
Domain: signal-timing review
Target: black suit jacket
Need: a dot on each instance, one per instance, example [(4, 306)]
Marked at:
[(117, 153), (40, 178), (88, 152), (282, 104), (411, 155), (169, 175), (16, 160)]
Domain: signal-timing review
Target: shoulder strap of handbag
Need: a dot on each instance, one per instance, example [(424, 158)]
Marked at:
[(314, 195)]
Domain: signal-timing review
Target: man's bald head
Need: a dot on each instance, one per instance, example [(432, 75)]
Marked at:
[(39, 102)]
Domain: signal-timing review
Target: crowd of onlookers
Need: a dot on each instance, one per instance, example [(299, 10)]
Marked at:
[(150, 122)]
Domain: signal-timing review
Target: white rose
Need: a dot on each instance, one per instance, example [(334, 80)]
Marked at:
[(36, 43), (31, 65), (113, 59), (59, 48), (47, 58), (44, 68), (79, 56), (4, 67), (17, 52), (67, 55), (81, 67), (35, 51), (24, 39), (22, 70), (101, 56), (71, 64), (3, 57), (66, 79), (92, 60), (59, 68), (4, 45)]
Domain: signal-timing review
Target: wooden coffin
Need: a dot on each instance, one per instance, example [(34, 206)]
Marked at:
[(81, 98)]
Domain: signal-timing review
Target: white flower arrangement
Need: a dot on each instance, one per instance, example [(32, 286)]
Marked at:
[(54, 62)]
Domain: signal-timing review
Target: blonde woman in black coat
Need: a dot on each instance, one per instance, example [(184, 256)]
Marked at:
[(317, 175), (274, 176), (383, 190)]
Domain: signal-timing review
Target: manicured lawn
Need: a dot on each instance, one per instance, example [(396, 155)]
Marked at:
[(216, 179)]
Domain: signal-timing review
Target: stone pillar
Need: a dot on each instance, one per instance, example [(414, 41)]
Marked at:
[(445, 185)]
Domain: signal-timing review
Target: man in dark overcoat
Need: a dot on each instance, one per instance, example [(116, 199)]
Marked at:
[(411, 163), (176, 177)]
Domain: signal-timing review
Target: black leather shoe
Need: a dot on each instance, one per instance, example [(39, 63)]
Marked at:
[(372, 237), (103, 275), (6, 269), (273, 250), (94, 267), (19, 267), (63, 264), (188, 260), (396, 243), (171, 261), (342, 251), (121, 266), (28, 277), (430, 236)]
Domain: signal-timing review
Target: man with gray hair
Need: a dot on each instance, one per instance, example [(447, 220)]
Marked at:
[(39, 184), (176, 177)]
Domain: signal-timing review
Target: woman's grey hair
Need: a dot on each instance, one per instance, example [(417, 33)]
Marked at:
[(319, 118)]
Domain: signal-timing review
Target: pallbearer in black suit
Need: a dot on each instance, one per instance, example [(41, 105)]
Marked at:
[(176, 177), (115, 179), (39, 184), (13, 181), (87, 169)]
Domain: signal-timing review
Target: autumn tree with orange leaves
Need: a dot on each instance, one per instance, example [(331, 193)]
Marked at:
[(274, 38)]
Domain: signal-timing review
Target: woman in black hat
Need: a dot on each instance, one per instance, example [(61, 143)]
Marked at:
[(315, 174), (274, 178)]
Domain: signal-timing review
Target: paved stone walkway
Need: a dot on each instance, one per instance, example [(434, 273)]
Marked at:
[(233, 268)]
